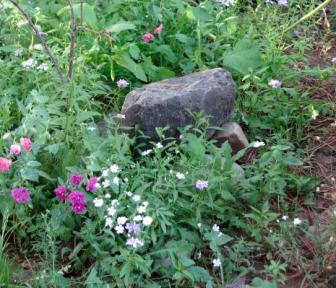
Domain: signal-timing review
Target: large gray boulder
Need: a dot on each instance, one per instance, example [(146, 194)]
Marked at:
[(166, 103)]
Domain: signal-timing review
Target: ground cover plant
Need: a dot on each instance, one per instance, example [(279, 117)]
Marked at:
[(81, 208)]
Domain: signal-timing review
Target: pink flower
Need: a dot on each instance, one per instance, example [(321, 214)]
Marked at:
[(158, 30), (148, 37), (60, 192), (75, 179), (15, 149), (5, 164), (26, 144), (92, 184), (77, 199), (122, 83), (276, 84), (79, 207), (20, 195), (76, 196), (201, 184)]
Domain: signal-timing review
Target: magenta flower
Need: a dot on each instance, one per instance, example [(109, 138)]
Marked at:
[(15, 149), (92, 184), (158, 30), (26, 144), (276, 84), (148, 37), (201, 184), (60, 192), (79, 207), (75, 179), (122, 83), (76, 196), (5, 164), (20, 195)]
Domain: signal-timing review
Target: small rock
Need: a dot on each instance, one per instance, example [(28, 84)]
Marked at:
[(166, 103), (234, 134)]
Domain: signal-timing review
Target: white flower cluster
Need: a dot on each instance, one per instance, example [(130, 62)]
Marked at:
[(30, 63), (227, 3)]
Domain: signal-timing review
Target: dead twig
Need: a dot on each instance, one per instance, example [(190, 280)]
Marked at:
[(42, 40), (72, 40), (100, 34)]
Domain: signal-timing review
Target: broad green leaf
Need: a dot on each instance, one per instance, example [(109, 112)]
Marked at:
[(125, 61), (122, 26), (244, 56)]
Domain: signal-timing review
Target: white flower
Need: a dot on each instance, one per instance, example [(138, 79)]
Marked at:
[(114, 168), (136, 198), (115, 180), (97, 186), (142, 209), (6, 136), (111, 211), (216, 262), (314, 113), (215, 228), (159, 145), (180, 176), (43, 67), (147, 220), (199, 225), (137, 218), (107, 196), (91, 128), (98, 202), (109, 222), (284, 217), (106, 183), (297, 221), (119, 229), (128, 193), (126, 180), (257, 144), (120, 116), (147, 152), (38, 46), (227, 3), (114, 202), (105, 172), (18, 52), (30, 63), (121, 220)]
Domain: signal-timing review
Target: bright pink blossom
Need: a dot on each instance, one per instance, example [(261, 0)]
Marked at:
[(77, 199), (92, 184), (26, 144), (79, 207), (75, 179), (15, 149), (158, 29), (148, 37), (20, 195), (60, 192), (76, 196), (5, 164)]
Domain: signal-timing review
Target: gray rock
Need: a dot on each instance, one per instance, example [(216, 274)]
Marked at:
[(165, 103), (234, 134)]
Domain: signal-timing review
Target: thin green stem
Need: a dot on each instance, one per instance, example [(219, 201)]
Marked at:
[(310, 14)]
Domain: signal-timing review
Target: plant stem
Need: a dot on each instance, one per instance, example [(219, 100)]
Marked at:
[(310, 14), (72, 44), (43, 42)]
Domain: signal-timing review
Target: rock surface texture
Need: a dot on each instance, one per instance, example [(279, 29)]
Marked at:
[(166, 103), (234, 134)]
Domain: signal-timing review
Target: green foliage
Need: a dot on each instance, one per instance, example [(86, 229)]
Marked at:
[(182, 242)]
